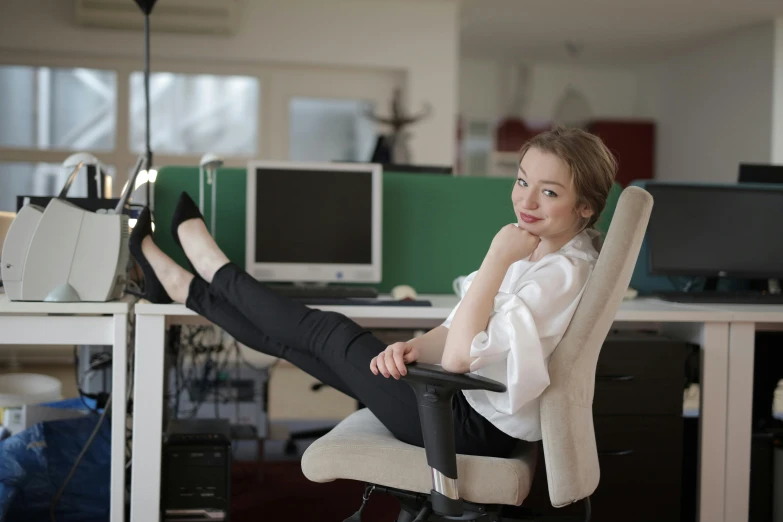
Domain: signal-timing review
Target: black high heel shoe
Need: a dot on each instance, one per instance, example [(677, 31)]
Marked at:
[(186, 209), (153, 289)]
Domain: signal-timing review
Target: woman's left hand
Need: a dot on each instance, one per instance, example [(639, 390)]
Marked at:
[(392, 361)]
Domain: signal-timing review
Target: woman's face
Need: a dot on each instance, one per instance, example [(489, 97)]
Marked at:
[(544, 198)]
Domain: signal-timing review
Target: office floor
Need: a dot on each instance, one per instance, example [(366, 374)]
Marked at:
[(280, 490)]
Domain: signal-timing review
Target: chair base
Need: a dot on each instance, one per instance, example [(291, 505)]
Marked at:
[(417, 507)]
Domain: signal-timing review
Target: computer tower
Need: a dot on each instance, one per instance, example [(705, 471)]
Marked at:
[(196, 471)]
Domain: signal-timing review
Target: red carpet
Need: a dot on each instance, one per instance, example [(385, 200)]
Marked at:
[(283, 493)]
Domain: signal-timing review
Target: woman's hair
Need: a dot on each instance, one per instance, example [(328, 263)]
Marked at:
[(592, 165)]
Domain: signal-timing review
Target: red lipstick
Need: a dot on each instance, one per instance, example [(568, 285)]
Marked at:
[(528, 218)]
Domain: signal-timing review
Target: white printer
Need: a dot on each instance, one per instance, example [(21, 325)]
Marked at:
[(65, 253)]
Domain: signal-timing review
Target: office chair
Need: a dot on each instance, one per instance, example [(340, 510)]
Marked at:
[(425, 480)]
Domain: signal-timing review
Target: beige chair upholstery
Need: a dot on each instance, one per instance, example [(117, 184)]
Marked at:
[(360, 448), (566, 405)]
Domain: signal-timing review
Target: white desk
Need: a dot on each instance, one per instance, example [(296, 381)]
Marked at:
[(81, 323), (704, 326), (746, 320)]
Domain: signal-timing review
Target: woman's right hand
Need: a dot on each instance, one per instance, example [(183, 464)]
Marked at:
[(512, 244), (392, 361)]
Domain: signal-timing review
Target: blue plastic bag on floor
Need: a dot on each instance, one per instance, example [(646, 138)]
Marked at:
[(35, 463)]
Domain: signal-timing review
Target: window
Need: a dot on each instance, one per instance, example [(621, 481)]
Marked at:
[(46, 108), (193, 114), (49, 110), (477, 147), (330, 130)]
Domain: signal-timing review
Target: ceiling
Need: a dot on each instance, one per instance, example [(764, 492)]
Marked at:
[(604, 31)]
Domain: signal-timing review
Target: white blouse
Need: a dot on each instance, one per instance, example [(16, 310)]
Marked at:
[(532, 309)]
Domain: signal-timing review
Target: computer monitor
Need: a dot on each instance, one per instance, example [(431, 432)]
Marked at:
[(314, 222), (758, 173), (411, 168), (716, 231), (93, 204), (418, 169)]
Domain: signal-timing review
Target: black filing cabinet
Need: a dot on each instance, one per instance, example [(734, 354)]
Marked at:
[(637, 412)]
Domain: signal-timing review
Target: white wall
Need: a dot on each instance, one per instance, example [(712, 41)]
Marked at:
[(419, 37), (611, 92), (713, 106), (777, 103), (480, 89)]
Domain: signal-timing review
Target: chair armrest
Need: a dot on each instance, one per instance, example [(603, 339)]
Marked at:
[(434, 374), (434, 388)]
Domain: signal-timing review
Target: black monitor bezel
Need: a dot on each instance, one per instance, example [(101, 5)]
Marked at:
[(651, 188), (745, 171)]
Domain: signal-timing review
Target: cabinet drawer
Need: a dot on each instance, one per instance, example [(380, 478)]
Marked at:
[(645, 436), (631, 395), (641, 473), (641, 468), (642, 356)]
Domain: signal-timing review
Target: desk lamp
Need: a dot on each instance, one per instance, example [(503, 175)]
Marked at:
[(209, 163)]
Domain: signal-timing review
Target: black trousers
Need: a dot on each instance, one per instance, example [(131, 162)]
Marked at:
[(334, 350)]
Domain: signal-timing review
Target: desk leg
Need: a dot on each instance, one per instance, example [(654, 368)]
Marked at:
[(712, 425), (742, 338), (714, 341), (147, 418), (119, 376)]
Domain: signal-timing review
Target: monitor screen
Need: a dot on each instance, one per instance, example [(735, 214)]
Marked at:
[(312, 222), (92, 204), (751, 173), (411, 168), (716, 231)]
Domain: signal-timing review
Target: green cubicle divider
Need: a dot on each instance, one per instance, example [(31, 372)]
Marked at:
[(435, 227)]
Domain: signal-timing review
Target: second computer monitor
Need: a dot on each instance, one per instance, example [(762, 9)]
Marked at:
[(314, 222), (760, 173), (716, 231)]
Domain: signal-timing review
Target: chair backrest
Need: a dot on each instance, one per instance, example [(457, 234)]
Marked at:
[(566, 405)]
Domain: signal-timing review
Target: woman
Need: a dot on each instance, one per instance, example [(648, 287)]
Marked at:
[(514, 310)]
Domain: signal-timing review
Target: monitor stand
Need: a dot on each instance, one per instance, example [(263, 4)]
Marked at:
[(710, 294), (711, 284), (772, 286)]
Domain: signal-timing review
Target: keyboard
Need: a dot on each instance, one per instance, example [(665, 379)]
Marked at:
[(352, 301), (324, 292), (737, 297)]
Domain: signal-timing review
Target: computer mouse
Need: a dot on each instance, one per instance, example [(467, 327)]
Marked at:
[(401, 292)]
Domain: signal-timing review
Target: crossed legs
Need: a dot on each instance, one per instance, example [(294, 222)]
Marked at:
[(326, 345)]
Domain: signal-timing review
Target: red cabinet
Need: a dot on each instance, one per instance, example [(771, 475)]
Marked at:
[(633, 144)]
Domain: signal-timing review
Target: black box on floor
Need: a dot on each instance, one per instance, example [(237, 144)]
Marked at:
[(196, 467)]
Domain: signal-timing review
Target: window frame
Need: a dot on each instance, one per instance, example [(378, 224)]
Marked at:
[(277, 82)]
